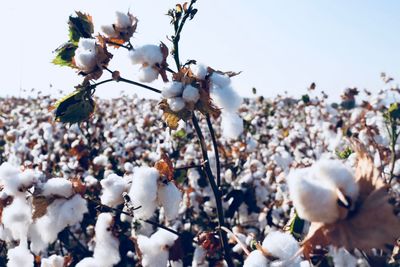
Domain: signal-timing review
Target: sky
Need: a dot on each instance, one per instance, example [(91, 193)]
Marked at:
[(278, 45)]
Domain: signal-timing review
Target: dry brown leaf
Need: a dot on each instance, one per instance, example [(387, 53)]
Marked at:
[(40, 204), (164, 167), (372, 225)]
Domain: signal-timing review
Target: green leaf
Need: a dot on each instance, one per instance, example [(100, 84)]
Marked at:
[(305, 98), (394, 111), (80, 26), (345, 153), (296, 226), (75, 107), (65, 55), (180, 134)]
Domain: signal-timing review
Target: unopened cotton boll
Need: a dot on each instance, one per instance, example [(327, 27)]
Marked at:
[(176, 104), (20, 256), (85, 54), (58, 187), (315, 190), (232, 125), (282, 246), (172, 89), (256, 259), (143, 191), (190, 94), (170, 198), (147, 74)]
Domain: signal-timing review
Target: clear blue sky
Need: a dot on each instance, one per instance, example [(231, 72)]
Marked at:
[(279, 45)]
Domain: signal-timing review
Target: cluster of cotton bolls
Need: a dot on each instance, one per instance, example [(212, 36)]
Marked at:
[(148, 56), (286, 145), (178, 95)]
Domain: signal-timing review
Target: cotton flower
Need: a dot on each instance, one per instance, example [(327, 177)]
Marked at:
[(85, 55), (315, 191)]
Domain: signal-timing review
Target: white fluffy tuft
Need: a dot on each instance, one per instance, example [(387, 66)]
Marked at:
[(170, 198), (190, 94)]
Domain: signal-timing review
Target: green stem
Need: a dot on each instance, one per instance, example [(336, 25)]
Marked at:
[(215, 146)]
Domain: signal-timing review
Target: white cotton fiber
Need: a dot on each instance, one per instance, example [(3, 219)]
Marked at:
[(100, 160), (52, 261), (143, 191), (256, 259), (13, 180), (232, 125), (17, 218), (112, 188), (20, 256), (60, 214), (342, 257), (176, 104), (109, 31), (88, 262), (155, 250), (123, 20), (85, 54), (190, 94), (226, 98), (199, 70), (58, 187), (172, 89), (147, 74), (106, 250), (169, 198), (282, 245), (220, 80), (314, 190), (147, 54)]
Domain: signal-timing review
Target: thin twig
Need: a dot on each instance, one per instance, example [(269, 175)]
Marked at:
[(215, 145), (77, 241), (139, 84), (188, 167), (120, 45), (216, 192)]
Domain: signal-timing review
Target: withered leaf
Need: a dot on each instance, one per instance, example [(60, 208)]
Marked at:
[(165, 167), (40, 204)]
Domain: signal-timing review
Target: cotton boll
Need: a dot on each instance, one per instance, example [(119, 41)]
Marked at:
[(85, 54), (60, 213), (282, 245), (123, 20), (100, 160), (52, 261), (152, 54), (155, 250), (313, 200), (13, 180), (20, 256), (137, 56), (232, 125), (199, 70), (342, 257), (176, 104), (256, 259), (220, 80), (106, 250), (128, 167), (199, 257), (58, 187), (170, 198), (112, 188), (147, 74), (109, 31), (143, 191), (88, 262), (172, 89), (190, 94), (16, 217), (226, 98), (338, 173)]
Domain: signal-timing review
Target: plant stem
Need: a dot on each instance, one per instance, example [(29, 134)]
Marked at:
[(215, 145), (120, 45), (216, 192), (140, 85), (188, 167), (393, 140)]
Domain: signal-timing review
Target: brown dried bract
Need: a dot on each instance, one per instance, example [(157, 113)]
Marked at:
[(372, 225)]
